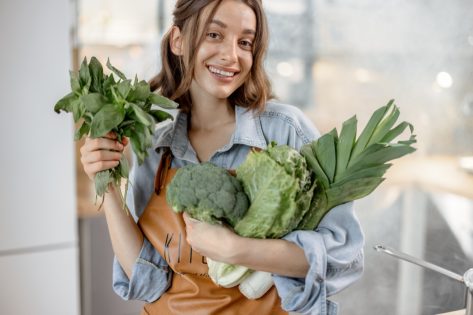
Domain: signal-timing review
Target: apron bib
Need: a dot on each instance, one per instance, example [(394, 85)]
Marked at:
[(191, 290)]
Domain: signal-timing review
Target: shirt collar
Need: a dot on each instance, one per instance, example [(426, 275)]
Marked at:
[(248, 132)]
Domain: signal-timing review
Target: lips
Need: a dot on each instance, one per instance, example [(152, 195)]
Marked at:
[(221, 72)]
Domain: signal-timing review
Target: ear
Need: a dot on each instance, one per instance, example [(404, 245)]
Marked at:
[(175, 41)]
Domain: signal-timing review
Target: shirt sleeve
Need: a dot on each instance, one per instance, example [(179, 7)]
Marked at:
[(335, 254), (151, 275)]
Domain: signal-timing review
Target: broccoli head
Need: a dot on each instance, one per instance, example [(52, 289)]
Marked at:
[(207, 193)]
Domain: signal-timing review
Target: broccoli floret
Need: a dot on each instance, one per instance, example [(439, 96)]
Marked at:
[(207, 193)]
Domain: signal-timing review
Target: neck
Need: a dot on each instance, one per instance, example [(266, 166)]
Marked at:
[(210, 113)]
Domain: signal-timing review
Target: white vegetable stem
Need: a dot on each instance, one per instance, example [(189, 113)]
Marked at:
[(226, 275), (256, 285)]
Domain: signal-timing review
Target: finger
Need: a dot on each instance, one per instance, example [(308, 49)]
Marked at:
[(94, 168), (101, 155), (125, 141), (111, 135), (91, 145)]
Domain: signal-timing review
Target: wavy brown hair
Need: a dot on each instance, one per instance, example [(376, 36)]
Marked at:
[(175, 77)]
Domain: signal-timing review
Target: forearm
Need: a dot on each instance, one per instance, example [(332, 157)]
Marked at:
[(125, 235), (271, 255)]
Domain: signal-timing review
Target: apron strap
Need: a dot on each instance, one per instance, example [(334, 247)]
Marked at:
[(164, 165)]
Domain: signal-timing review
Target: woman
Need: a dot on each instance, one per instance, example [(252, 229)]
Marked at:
[(212, 65)]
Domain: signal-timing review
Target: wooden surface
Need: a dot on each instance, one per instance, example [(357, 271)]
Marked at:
[(438, 173)]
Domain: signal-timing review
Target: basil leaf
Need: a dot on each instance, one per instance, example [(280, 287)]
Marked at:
[(162, 101), (78, 109), (65, 103), (107, 118), (93, 102), (124, 88), (123, 167), (84, 76), (115, 70), (140, 92), (160, 115), (102, 179), (136, 144), (82, 131), (96, 72), (75, 84), (107, 84), (141, 115)]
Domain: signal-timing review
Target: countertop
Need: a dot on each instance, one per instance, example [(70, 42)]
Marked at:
[(438, 173)]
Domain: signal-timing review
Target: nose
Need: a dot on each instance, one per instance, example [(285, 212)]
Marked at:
[(229, 51)]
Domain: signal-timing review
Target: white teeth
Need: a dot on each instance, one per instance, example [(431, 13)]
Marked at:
[(221, 72)]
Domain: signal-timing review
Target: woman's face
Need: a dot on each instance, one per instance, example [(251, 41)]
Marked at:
[(224, 58)]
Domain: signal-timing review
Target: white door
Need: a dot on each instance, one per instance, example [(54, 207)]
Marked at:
[(38, 225)]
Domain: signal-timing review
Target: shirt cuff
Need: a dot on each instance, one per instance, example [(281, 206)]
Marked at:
[(306, 295), (150, 276)]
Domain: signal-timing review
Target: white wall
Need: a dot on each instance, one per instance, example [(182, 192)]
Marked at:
[(38, 232)]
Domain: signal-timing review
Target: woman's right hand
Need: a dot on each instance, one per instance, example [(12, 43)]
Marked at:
[(101, 153)]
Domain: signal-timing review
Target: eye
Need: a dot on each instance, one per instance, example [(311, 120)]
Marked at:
[(246, 44), (213, 35)]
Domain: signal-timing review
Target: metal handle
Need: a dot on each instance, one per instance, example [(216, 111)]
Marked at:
[(419, 262)]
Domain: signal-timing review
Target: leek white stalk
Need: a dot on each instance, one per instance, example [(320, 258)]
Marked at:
[(256, 285)]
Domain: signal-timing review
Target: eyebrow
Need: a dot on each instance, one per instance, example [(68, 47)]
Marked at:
[(223, 25)]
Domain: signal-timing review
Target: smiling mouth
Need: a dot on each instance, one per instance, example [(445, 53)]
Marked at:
[(221, 73)]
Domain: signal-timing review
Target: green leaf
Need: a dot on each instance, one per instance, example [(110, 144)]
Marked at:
[(107, 85), (160, 115), (345, 145), (84, 76), (393, 133), (385, 125), (75, 83), (115, 70), (96, 72), (367, 132), (65, 103), (93, 102), (123, 167), (140, 92), (78, 109), (116, 97), (357, 189), (314, 165), (162, 101), (324, 148), (317, 210), (368, 171), (107, 118), (102, 180), (377, 154), (123, 88), (136, 144), (82, 131), (272, 197), (141, 116)]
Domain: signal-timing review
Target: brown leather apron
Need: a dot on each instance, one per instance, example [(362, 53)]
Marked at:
[(191, 291)]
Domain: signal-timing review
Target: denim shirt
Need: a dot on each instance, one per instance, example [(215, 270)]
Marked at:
[(334, 250)]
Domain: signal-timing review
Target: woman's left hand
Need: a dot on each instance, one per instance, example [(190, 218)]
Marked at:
[(214, 241)]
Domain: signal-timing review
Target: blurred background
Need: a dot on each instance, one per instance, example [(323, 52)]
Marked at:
[(331, 58)]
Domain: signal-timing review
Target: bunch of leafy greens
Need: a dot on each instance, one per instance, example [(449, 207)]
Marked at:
[(102, 104)]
